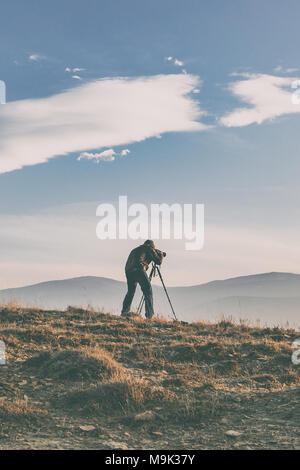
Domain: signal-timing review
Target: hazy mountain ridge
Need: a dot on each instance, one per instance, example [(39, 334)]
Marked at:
[(268, 297)]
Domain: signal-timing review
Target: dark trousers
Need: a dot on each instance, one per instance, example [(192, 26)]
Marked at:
[(133, 278)]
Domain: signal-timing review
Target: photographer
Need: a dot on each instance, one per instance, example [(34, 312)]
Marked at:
[(135, 269)]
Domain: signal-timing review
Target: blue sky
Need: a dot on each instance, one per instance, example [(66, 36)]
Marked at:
[(244, 169)]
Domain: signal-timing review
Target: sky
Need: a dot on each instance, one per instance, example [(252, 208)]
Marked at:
[(164, 102)]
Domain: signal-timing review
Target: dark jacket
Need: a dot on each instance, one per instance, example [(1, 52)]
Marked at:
[(141, 256)]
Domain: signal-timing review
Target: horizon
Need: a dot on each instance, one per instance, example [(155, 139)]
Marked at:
[(154, 282)]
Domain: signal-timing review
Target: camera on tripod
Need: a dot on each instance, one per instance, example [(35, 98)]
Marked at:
[(162, 253)]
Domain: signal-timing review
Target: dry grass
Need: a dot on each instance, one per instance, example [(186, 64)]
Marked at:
[(76, 365), (18, 410), (81, 363), (118, 397)]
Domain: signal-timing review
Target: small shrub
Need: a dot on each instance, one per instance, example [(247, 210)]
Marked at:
[(76, 365), (117, 397), (19, 411)]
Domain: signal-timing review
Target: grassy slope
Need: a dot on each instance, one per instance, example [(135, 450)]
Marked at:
[(81, 379)]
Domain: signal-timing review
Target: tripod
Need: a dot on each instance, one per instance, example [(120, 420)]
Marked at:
[(155, 269)]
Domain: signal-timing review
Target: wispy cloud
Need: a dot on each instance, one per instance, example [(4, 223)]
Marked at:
[(100, 114), (267, 97), (108, 155), (175, 61), (281, 69), (36, 57), (105, 156), (74, 69), (178, 62)]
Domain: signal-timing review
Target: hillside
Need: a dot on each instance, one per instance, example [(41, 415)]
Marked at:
[(270, 298), (86, 380)]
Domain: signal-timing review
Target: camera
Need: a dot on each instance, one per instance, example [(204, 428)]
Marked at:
[(162, 253)]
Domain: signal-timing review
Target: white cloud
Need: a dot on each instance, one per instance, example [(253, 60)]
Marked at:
[(280, 69), (108, 155), (105, 156), (77, 77), (269, 97), (36, 57), (177, 62), (103, 113), (74, 70), (291, 70)]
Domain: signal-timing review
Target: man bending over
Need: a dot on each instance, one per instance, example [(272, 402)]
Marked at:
[(135, 269)]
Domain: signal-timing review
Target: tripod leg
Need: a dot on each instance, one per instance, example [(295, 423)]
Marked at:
[(141, 304), (165, 289), (142, 301)]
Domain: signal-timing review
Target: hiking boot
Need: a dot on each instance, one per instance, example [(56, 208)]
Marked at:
[(129, 314), (149, 317)]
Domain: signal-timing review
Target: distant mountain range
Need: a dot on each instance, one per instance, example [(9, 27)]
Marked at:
[(270, 298)]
